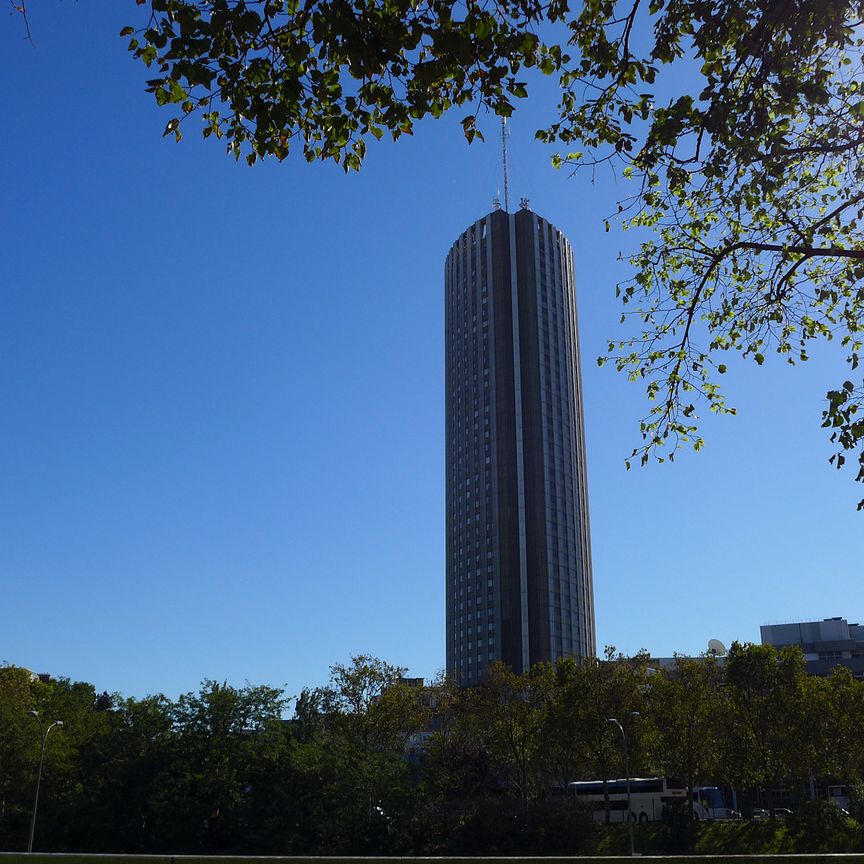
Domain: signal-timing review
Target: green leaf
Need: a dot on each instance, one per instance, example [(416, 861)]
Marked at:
[(484, 28)]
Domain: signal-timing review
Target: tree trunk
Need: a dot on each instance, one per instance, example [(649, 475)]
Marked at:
[(690, 794), (606, 802)]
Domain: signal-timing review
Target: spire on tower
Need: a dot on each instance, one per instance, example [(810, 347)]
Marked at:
[(504, 158)]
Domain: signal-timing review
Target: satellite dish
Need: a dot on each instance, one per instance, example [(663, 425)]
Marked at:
[(716, 648)]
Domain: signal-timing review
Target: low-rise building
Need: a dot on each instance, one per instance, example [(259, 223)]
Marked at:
[(826, 644)]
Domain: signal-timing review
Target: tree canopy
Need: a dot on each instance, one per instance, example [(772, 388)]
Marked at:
[(375, 764), (745, 169), (327, 75)]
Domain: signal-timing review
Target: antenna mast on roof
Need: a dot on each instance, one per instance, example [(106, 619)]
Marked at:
[(504, 157)]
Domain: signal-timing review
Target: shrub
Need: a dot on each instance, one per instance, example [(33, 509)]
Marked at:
[(819, 826)]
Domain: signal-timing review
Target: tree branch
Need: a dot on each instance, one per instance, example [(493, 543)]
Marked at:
[(21, 8)]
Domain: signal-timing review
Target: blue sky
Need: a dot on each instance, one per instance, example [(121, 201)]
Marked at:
[(221, 447)]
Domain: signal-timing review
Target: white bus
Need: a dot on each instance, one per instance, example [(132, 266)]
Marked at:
[(708, 803), (651, 798)]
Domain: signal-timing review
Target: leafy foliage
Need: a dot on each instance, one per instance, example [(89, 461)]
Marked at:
[(580, 739), (751, 182), (328, 74), (685, 709), (773, 715), (371, 765)]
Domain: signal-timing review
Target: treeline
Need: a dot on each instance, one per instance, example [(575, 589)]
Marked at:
[(372, 765)]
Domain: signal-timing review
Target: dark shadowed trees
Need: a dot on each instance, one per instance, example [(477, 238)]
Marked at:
[(685, 710), (771, 725), (359, 786), (591, 693), (372, 765)]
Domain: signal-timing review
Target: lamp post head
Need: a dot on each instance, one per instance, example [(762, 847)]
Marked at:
[(33, 712), (58, 723), (635, 715), (614, 721)]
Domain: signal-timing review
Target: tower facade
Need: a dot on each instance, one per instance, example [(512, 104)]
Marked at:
[(519, 585)]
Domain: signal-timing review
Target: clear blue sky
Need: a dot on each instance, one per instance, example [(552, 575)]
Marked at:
[(221, 395)]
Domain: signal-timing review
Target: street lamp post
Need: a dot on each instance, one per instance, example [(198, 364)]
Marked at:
[(44, 735), (613, 720)]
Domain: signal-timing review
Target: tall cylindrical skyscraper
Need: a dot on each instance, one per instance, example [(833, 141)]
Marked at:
[(519, 585)]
